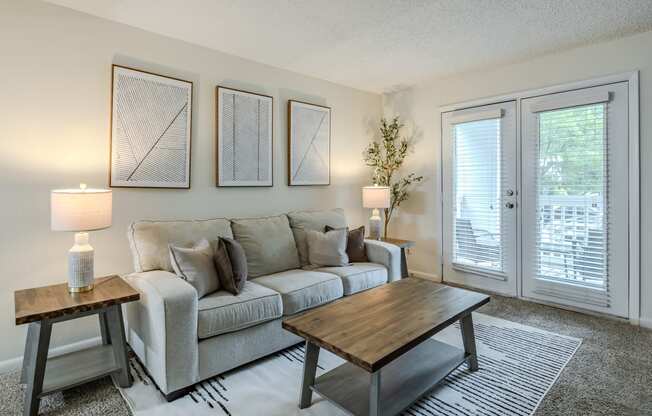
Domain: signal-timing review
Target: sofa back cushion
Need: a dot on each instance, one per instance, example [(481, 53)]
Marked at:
[(149, 240), (268, 243), (302, 221)]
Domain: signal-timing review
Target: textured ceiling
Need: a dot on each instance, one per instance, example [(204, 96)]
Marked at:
[(380, 45)]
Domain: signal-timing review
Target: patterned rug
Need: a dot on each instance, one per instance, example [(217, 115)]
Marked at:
[(518, 365)]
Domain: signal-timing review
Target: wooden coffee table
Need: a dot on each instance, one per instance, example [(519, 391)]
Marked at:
[(386, 331)]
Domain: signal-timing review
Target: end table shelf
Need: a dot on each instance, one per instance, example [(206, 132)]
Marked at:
[(44, 306), (70, 370)]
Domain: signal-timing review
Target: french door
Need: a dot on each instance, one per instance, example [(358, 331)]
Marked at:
[(575, 198), (479, 197), (563, 236)]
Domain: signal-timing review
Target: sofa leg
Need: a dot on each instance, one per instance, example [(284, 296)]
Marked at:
[(178, 393)]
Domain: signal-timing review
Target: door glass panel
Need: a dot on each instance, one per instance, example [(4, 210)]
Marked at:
[(477, 188), (571, 186)]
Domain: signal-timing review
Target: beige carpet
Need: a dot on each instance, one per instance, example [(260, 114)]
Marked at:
[(611, 373)]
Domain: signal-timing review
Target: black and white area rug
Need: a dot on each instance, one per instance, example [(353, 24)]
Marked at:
[(518, 365)]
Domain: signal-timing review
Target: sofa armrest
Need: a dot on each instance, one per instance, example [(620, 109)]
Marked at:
[(162, 328), (386, 254)]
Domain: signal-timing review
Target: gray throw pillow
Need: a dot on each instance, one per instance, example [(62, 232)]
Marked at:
[(327, 249), (195, 265), (238, 260)]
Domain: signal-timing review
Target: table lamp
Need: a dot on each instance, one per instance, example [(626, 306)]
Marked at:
[(80, 210), (375, 197)]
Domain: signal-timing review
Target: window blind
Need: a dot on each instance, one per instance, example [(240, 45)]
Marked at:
[(477, 186), (572, 218)]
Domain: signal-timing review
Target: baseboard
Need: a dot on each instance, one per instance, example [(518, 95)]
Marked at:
[(424, 275), (645, 323), (15, 363)]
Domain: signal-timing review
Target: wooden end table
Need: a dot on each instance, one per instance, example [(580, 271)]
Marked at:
[(385, 335), (43, 306), (403, 245)]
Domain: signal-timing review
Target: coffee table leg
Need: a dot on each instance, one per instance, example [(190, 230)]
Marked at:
[(309, 371), (374, 394), (468, 337)]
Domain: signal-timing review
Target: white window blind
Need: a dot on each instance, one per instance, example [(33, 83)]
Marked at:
[(572, 182), (477, 186)]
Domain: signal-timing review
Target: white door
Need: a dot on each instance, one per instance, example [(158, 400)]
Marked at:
[(575, 198), (479, 197)]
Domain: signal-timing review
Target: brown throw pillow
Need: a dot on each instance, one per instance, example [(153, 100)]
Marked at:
[(238, 262), (224, 268), (354, 244)]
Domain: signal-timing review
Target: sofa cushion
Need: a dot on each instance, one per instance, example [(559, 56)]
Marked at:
[(268, 243), (221, 312), (358, 276), (149, 240), (302, 289), (301, 221)]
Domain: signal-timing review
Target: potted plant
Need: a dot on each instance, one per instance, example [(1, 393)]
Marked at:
[(386, 158)]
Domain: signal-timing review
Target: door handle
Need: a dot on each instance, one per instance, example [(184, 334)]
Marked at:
[(509, 205), (509, 192)]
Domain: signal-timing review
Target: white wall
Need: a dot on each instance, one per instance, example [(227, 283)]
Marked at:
[(420, 219), (55, 75)]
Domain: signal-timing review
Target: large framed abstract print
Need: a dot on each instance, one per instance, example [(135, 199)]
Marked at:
[(244, 148), (151, 118), (309, 144)]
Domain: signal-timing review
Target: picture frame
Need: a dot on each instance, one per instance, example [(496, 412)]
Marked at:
[(244, 143), (309, 144), (151, 130)]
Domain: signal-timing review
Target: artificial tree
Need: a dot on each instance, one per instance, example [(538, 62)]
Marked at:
[(386, 158)]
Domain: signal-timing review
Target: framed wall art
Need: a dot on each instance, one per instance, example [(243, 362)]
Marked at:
[(244, 148), (151, 118), (309, 144)]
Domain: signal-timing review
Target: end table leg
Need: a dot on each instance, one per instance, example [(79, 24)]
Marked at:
[(117, 336), (404, 267), (374, 394), (468, 337), (36, 355), (309, 371), (32, 334), (104, 328)]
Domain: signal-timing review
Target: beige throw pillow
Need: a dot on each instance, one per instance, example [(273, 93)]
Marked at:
[(327, 249), (195, 265)]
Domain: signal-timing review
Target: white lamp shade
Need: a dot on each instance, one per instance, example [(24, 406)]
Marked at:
[(375, 197), (80, 209)]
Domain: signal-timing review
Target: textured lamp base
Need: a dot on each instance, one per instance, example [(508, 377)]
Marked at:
[(81, 273), (375, 225)]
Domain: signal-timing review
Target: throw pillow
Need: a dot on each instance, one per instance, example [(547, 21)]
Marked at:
[(224, 268), (195, 265), (354, 244), (327, 249), (231, 265)]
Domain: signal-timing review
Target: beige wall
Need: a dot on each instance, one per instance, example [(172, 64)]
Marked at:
[(419, 105), (55, 75)]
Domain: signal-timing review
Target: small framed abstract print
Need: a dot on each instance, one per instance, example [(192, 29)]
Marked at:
[(151, 119), (309, 144), (244, 147)]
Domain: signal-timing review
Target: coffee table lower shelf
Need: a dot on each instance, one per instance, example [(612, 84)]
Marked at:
[(403, 381)]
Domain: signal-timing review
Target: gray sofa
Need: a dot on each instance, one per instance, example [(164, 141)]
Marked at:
[(183, 340)]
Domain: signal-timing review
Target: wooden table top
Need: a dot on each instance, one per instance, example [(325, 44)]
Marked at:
[(399, 242), (49, 302), (372, 328)]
